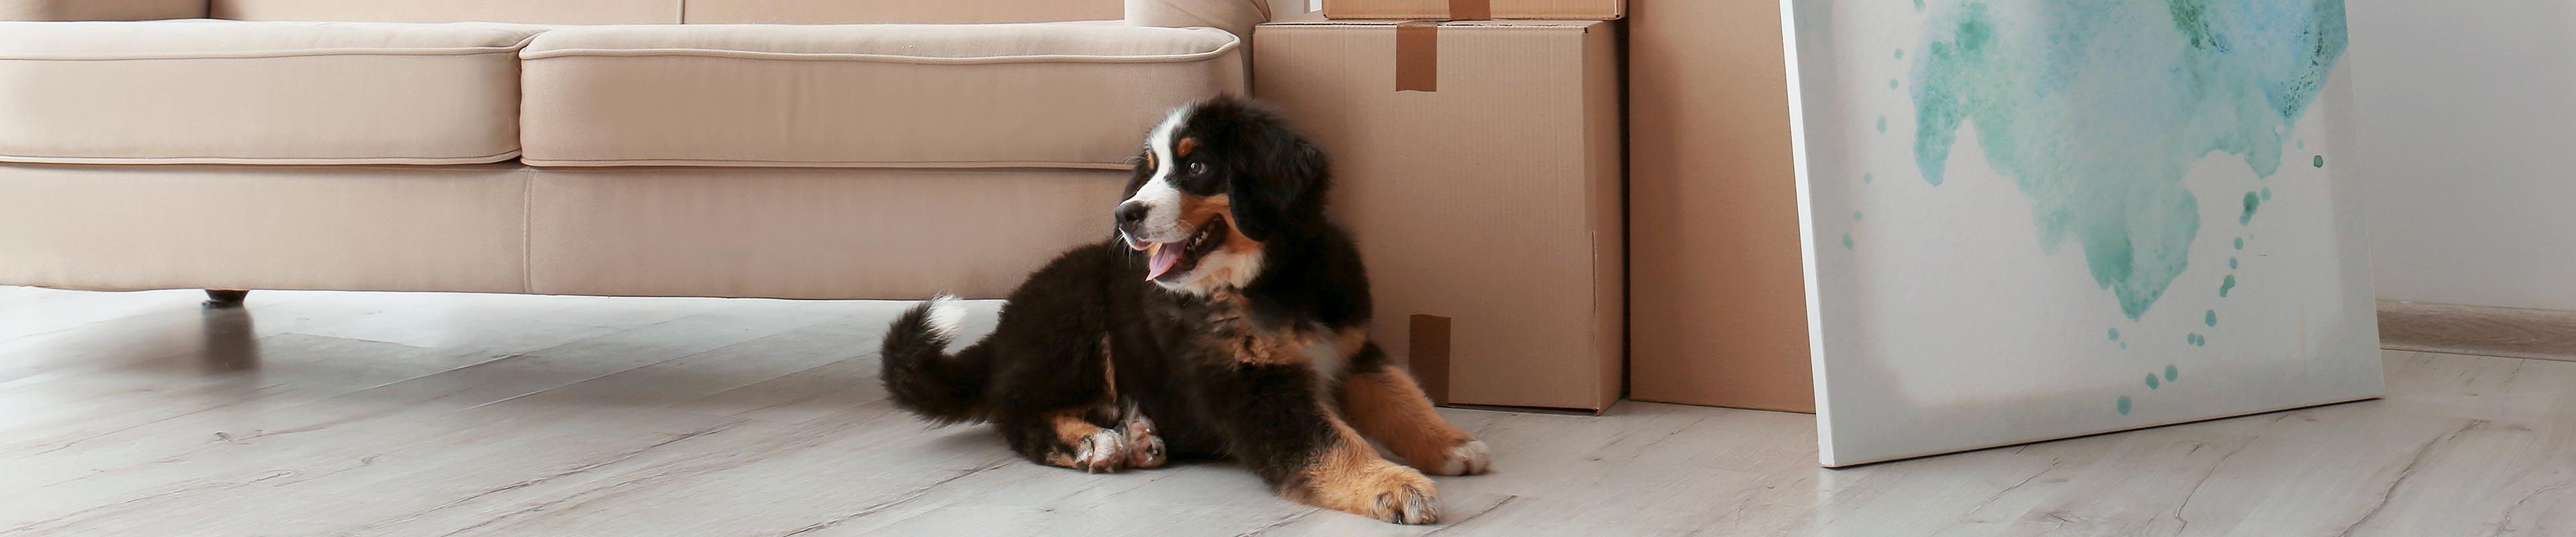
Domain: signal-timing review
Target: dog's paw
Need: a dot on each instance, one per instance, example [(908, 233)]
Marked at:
[(1104, 451), (1144, 447), (1404, 496), (1467, 458)]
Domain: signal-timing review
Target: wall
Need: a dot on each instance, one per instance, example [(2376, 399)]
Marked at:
[(2467, 155)]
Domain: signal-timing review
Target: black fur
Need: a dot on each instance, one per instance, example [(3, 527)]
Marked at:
[(1171, 351), (924, 379)]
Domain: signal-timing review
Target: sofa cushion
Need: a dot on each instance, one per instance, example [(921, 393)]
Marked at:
[(895, 11), (259, 92), (522, 11), (1066, 95), (100, 10)]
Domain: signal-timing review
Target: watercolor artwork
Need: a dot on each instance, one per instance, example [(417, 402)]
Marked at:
[(2035, 219)]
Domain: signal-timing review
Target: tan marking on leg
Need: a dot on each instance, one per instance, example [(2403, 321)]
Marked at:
[(1351, 477), (1070, 427), (1109, 368), (1092, 449), (1388, 406)]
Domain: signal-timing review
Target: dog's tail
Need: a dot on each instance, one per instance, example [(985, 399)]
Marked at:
[(919, 373)]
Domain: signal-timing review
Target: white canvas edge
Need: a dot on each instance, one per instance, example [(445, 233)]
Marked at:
[(1806, 232)]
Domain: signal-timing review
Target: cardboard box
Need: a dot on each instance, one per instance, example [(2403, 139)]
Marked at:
[(1719, 312), (1478, 163), (1476, 9)]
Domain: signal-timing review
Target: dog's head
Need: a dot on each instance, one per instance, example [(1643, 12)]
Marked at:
[(1219, 181)]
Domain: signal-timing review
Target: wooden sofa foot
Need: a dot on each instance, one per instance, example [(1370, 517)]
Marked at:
[(225, 298)]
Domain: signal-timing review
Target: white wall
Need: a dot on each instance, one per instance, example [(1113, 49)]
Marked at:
[(2468, 148)]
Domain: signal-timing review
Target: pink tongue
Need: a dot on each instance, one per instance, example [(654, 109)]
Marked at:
[(1164, 258)]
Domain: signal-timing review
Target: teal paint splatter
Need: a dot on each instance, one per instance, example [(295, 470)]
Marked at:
[(2151, 381), (1891, 84), (2252, 201), (2196, 339), (2115, 334), (2227, 284), (2321, 161), (2267, 193), (2211, 318), (1847, 242), (1855, 216), (1918, 6), (2170, 372), (2097, 117), (2124, 405), (2303, 143), (1864, 178), (2240, 243), (1900, 53), (2231, 263), (2124, 345), (1882, 121)]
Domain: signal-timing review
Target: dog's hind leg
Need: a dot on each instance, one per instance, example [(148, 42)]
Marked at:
[(1069, 439), (1082, 427), (1074, 438), (1382, 401)]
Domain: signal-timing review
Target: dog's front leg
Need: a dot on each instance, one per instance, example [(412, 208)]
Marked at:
[(1382, 400), (1282, 428)]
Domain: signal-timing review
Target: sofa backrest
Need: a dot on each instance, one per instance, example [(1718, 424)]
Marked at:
[(670, 11)]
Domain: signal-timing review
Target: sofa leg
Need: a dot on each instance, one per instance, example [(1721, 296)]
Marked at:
[(225, 298)]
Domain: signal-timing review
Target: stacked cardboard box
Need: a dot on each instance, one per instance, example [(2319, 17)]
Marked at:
[(1475, 9), (1479, 162), (1720, 312)]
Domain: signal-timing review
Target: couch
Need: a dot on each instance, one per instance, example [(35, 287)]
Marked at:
[(812, 149)]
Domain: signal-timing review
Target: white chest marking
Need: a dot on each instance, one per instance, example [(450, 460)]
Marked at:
[(1327, 357)]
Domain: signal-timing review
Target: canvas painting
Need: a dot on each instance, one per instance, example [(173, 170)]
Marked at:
[(2037, 219)]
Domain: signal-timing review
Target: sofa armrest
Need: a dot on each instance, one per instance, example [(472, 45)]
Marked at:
[(1238, 16), (100, 10)]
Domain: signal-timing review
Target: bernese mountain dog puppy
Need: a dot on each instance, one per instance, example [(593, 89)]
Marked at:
[(1226, 317)]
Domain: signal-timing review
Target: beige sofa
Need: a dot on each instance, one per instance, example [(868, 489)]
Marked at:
[(736, 148)]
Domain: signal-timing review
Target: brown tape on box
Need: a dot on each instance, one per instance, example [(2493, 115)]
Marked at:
[(1427, 353), (1417, 56), (1471, 9)]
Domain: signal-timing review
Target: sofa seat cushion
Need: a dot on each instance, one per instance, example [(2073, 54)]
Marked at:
[(202, 91), (1066, 95)]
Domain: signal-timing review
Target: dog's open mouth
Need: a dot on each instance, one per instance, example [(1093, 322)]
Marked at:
[(1173, 259)]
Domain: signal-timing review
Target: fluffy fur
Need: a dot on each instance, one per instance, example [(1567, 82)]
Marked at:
[(1226, 318)]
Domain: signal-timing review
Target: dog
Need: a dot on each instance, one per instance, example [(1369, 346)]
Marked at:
[(1224, 318)]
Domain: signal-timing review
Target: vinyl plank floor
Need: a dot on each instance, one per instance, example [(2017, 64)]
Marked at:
[(439, 414)]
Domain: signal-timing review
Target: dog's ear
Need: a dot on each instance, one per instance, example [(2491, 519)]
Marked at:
[(1281, 180)]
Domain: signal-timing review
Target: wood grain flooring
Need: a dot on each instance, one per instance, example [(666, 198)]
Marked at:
[(2478, 330), (369, 414)]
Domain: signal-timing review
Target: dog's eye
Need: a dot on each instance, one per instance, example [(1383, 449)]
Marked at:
[(1198, 168)]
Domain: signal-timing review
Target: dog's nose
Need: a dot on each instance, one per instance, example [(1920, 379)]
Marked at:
[(1131, 213)]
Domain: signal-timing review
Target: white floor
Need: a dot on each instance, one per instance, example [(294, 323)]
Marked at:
[(425, 414)]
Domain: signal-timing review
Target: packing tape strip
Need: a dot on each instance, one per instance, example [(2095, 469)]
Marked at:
[(1471, 9), (1427, 354), (1417, 56)]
